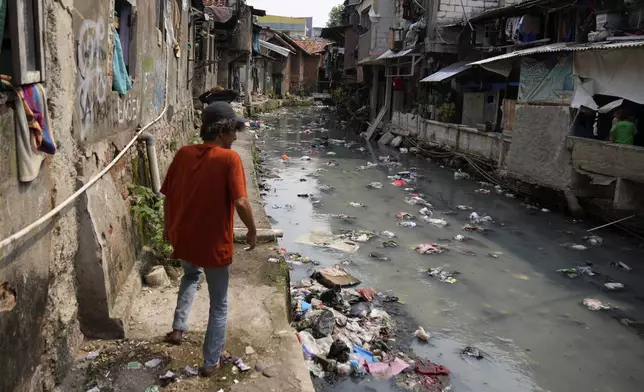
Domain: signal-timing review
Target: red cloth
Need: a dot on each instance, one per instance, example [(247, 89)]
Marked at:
[(430, 368)]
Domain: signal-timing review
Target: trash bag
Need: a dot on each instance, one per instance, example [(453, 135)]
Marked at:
[(360, 309), (333, 298), (323, 325), (339, 351)]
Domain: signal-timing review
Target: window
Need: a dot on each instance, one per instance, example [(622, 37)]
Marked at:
[(22, 56), (124, 22), (161, 15)]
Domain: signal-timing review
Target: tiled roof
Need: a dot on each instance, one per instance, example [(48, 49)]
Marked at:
[(311, 46)]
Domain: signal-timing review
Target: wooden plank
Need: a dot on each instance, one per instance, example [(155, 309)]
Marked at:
[(383, 111)]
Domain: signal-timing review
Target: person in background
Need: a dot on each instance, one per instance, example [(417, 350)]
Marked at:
[(624, 129), (205, 184)]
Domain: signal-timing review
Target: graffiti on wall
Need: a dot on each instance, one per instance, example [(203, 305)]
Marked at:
[(127, 109), (93, 81)]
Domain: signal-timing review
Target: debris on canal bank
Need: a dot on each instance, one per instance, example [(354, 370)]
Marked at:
[(344, 332)]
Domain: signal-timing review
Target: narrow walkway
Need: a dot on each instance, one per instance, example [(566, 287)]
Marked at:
[(257, 319)]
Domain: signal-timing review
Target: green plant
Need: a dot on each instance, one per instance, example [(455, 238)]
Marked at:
[(148, 210), (446, 112)]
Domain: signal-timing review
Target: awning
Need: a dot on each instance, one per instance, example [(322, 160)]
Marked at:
[(275, 48), (448, 72), (562, 47), (392, 55)]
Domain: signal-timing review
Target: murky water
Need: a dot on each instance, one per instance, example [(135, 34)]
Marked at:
[(526, 317)]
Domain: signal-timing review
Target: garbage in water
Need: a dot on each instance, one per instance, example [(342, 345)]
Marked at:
[(369, 165), (333, 277), (374, 185), (95, 389), (404, 215), (399, 183), (92, 355), (303, 195), (495, 255), (595, 304), (153, 363), (356, 204), (435, 222), (367, 293), (442, 275), (134, 365), (323, 325), (305, 158), (390, 244), (594, 240), (385, 370), (459, 237), (358, 235), (408, 224), (422, 334), (378, 256), (620, 265), (415, 200), (325, 187), (472, 352), (425, 249), (332, 163), (168, 376), (482, 191), (473, 228), (426, 212), (339, 351), (477, 219), (427, 367), (574, 246), (273, 260), (461, 175), (343, 216), (576, 271), (510, 195), (388, 234), (463, 208), (403, 150), (614, 286), (285, 157)]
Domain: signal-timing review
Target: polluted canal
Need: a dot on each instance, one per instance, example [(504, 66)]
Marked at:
[(511, 296)]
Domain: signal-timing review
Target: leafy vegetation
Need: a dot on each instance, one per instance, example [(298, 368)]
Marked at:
[(335, 16), (446, 112), (148, 210)]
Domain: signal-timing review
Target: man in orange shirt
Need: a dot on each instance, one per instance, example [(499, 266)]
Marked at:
[(205, 183)]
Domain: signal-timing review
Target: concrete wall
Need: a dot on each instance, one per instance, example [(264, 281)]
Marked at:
[(538, 153), (451, 11), (608, 159), (489, 146), (68, 274)]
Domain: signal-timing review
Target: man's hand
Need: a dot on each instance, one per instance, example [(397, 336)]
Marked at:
[(251, 239)]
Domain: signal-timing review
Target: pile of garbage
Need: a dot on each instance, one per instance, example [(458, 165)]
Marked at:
[(343, 331)]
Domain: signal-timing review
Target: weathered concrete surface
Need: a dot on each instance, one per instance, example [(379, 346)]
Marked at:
[(91, 125), (538, 152), (608, 159)]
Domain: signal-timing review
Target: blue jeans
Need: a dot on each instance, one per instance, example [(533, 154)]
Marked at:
[(217, 279)]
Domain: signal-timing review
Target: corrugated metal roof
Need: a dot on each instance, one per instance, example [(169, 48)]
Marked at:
[(518, 9), (448, 72), (392, 55), (275, 48), (562, 47)]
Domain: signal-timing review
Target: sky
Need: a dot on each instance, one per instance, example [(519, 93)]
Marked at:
[(318, 9)]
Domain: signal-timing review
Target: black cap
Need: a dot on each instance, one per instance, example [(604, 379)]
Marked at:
[(218, 111)]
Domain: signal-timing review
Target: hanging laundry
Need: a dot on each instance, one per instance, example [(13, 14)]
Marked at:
[(121, 82), (32, 128)]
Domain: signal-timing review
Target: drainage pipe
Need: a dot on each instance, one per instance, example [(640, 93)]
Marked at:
[(150, 147)]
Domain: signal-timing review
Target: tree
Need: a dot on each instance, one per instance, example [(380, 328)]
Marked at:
[(335, 16)]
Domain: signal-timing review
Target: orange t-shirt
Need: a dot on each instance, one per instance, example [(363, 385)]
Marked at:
[(200, 188)]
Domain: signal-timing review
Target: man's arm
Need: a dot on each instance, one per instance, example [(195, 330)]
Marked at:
[(245, 213), (612, 134), (237, 187)]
